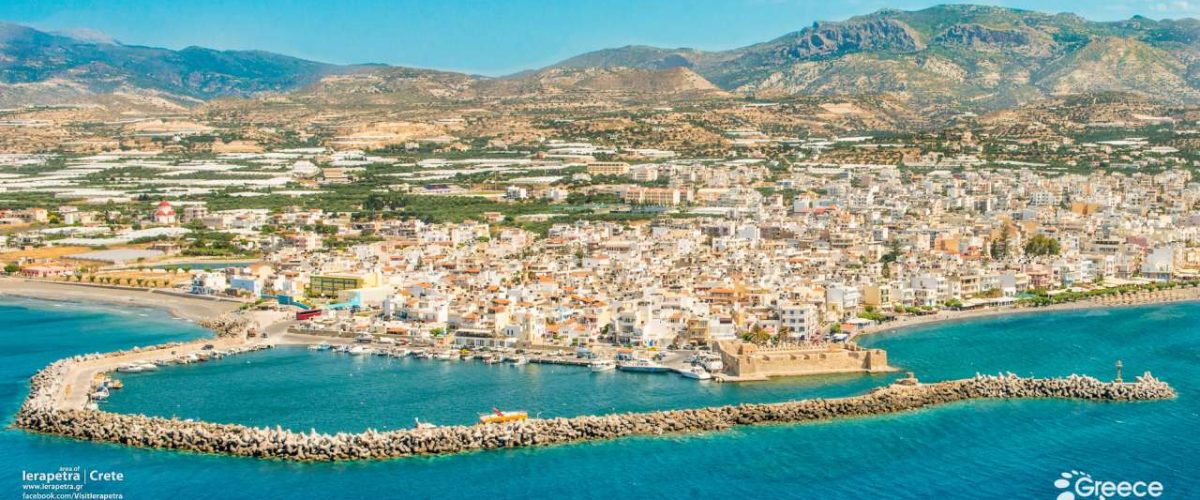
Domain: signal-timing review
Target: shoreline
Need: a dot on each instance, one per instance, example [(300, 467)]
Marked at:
[(180, 306), (1165, 297)]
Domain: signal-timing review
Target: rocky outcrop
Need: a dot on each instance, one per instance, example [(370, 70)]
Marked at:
[(229, 325), (838, 38), (40, 414)]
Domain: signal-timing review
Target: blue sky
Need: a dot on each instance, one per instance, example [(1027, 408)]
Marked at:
[(488, 37)]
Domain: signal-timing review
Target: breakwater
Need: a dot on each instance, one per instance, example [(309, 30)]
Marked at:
[(41, 413)]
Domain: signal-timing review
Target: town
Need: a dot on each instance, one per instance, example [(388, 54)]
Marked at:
[(575, 244)]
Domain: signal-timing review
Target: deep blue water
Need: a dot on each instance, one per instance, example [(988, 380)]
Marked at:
[(995, 449)]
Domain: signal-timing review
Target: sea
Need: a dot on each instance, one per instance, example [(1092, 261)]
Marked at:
[(980, 449)]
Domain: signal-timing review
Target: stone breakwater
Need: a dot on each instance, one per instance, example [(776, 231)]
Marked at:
[(40, 414)]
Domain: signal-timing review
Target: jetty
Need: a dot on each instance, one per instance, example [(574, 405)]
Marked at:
[(46, 411)]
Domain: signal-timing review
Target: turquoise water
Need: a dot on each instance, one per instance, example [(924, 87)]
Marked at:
[(996, 449)]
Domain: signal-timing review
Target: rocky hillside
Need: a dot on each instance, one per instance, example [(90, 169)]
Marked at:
[(941, 59), (989, 56), (45, 68)]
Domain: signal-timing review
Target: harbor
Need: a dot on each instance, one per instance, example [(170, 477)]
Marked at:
[(63, 401), (40, 414)]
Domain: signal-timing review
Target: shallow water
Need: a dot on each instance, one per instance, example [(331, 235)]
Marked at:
[(992, 449)]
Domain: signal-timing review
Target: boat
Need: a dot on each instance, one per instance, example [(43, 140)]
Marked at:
[(444, 355), (641, 365), (697, 373), (498, 417), (424, 355), (520, 360), (323, 346), (359, 349), (130, 368), (602, 365), (423, 425), (491, 359)]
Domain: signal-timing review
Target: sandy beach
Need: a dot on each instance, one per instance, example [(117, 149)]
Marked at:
[(191, 308)]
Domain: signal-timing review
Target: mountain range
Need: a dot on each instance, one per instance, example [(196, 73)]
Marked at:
[(958, 55)]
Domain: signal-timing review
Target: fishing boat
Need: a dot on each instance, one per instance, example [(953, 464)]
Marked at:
[(641, 365), (497, 416), (115, 384), (424, 355), (444, 355), (520, 360), (323, 346), (491, 359), (602, 365), (358, 350), (697, 373)]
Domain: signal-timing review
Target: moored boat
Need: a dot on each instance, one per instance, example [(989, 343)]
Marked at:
[(602, 365), (697, 373), (641, 365)]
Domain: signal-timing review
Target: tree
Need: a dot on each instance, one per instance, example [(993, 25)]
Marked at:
[(1041, 244), (999, 249), (11, 268), (757, 335)]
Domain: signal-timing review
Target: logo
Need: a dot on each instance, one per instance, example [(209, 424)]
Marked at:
[(1077, 485)]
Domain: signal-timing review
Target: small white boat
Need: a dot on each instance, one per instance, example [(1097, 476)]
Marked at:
[(520, 360), (602, 365), (491, 359), (445, 355), (697, 373), (148, 367), (423, 425), (358, 350), (424, 355), (130, 368), (323, 346)]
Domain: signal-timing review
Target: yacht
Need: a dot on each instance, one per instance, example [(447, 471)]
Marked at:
[(697, 373), (641, 365), (602, 365)]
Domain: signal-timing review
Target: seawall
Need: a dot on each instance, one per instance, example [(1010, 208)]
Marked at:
[(42, 412)]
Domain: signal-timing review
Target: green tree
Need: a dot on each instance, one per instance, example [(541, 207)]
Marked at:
[(999, 249), (1041, 244)]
